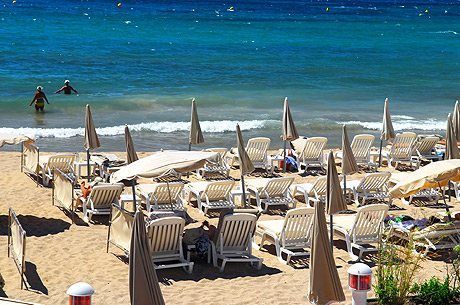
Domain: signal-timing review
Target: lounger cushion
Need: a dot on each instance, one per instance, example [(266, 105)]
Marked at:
[(274, 226), (345, 222)]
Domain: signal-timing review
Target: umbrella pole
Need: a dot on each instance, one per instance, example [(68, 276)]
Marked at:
[(134, 195), (345, 188), (284, 157), (189, 149), (332, 233), (445, 203), (244, 190), (169, 194), (380, 153), (87, 160)]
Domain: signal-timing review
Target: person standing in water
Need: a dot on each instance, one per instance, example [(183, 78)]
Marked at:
[(66, 88), (39, 99)]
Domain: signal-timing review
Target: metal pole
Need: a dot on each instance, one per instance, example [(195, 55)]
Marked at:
[(284, 156), (445, 203), (380, 153), (189, 149), (244, 191), (134, 194), (332, 234), (87, 160), (345, 187)]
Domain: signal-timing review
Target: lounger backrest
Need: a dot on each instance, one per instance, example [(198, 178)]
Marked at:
[(222, 151), (105, 195), (165, 235), (319, 187), (257, 149), (217, 190), (277, 187), (121, 225), (369, 223), (425, 146), (63, 189), (166, 192), (30, 157), (313, 149), (63, 162), (402, 145), (361, 146), (236, 232), (297, 226), (374, 181)]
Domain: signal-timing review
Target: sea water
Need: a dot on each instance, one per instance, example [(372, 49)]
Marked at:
[(140, 63)]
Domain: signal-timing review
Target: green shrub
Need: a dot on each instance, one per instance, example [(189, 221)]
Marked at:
[(433, 292)]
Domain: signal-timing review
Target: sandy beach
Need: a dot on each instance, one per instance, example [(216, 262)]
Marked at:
[(60, 253)]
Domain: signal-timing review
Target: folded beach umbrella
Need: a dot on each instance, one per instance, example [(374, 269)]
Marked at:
[(335, 202), (131, 154), (196, 136), (246, 166), (349, 165), (91, 140), (325, 286), (288, 130), (451, 141), (435, 174), (456, 121), (387, 128), (143, 281)]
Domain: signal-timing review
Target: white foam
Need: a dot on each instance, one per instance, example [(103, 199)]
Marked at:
[(162, 127), (412, 124)]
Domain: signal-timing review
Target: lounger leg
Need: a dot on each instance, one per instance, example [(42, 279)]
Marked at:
[(350, 250), (222, 267), (214, 254)]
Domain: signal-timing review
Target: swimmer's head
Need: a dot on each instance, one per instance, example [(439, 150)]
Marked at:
[(66, 81), (39, 88)]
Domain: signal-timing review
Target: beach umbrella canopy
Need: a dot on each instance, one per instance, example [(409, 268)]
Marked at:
[(131, 154), (11, 139), (246, 166), (325, 286), (91, 139), (387, 128), (288, 130), (143, 281), (349, 165), (456, 121), (335, 202), (451, 141), (196, 136), (165, 163)]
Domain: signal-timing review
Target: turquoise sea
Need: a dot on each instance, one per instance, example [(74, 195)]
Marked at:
[(141, 63)]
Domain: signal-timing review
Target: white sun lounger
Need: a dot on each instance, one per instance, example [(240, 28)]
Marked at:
[(401, 150), (361, 229), (271, 191), (313, 192), (312, 153), (162, 196), (372, 186), (212, 195), (100, 200), (290, 235), (62, 162), (165, 235), (425, 149), (361, 148), (233, 240), (257, 152), (221, 168)]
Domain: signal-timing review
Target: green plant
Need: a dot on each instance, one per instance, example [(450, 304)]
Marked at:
[(433, 292), (396, 268)]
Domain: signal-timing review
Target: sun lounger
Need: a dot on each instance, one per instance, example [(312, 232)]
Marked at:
[(17, 244), (362, 229), (313, 192), (290, 235), (425, 149), (271, 191), (233, 240), (434, 237), (62, 162), (311, 155), (120, 227), (162, 196), (401, 150), (165, 235), (100, 200), (361, 148), (431, 193), (257, 152), (221, 168), (212, 195), (372, 186)]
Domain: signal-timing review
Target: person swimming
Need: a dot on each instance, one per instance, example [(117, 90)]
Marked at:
[(66, 88), (39, 99)]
